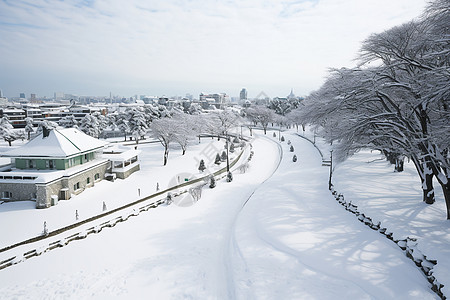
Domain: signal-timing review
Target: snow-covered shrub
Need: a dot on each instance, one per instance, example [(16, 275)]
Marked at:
[(169, 199), (294, 158), (223, 157), (217, 160), (291, 149), (202, 167), (212, 182), (229, 177)]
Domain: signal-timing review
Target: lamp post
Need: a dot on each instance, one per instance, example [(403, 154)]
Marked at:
[(227, 145), (331, 169)]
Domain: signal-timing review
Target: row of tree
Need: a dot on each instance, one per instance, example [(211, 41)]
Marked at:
[(396, 100)]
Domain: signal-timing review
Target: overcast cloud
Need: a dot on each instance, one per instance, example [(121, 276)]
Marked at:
[(176, 47)]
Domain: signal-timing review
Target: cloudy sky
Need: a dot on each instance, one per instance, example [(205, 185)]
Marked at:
[(174, 47)]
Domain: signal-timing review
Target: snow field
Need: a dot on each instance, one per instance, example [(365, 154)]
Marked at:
[(274, 232)]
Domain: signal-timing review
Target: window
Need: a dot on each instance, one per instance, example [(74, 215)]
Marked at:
[(6, 195), (30, 164), (86, 157), (96, 176), (88, 180), (50, 164), (76, 186), (33, 196)]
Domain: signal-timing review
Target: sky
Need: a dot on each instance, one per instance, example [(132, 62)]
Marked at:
[(174, 47)]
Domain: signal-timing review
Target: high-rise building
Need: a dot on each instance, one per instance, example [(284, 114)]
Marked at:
[(22, 95), (1, 94), (33, 97), (243, 94)]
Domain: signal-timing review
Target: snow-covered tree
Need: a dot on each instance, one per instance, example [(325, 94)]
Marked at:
[(164, 130), (48, 125), (68, 122), (137, 122), (261, 114), (202, 166), (229, 176), (223, 157), (90, 125), (396, 101), (212, 182), (185, 131), (29, 127), (6, 130), (217, 161), (122, 124)]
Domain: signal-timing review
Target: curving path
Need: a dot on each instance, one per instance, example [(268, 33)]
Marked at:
[(292, 241)]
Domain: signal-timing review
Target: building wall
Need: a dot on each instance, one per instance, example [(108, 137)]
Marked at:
[(59, 164), (123, 175), (21, 190), (45, 191)]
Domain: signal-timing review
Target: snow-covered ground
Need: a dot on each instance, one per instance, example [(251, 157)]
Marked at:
[(274, 232)]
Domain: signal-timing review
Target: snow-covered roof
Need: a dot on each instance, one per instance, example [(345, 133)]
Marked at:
[(60, 143), (120, 153)]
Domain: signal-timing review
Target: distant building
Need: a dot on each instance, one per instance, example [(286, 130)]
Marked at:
[(1, 94), (15, 115), (219, 100), (22, 95), (33, 98), (243, 94), (291, 95), (59, 96)]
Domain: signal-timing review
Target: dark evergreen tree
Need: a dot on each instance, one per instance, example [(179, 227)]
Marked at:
[(282, 138), (202, 167), (223, 157), (232, 148), (229, 177), (212, 182), (294, 158), (291, 149), (217, 161)]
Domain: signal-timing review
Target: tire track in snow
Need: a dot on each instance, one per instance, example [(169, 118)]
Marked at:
[(232, 246)]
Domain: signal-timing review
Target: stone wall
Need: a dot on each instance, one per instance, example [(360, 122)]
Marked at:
[(45, 191), (21, 190), (123, 175)]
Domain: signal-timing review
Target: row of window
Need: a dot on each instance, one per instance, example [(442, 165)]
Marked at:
[(76, 186), (49, 164), (8, 195)]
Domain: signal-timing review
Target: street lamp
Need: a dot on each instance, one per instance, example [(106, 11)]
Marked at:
[(331, 170)]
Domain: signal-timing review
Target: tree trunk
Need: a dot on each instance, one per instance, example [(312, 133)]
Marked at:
[(184, 151), (399, 162), (427, 187), (446, 192), (166, 155)]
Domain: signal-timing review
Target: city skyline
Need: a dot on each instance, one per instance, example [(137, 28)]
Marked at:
[(178, 47)]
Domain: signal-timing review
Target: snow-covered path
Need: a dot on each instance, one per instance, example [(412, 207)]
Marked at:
[(284, 239), (293, 241)]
